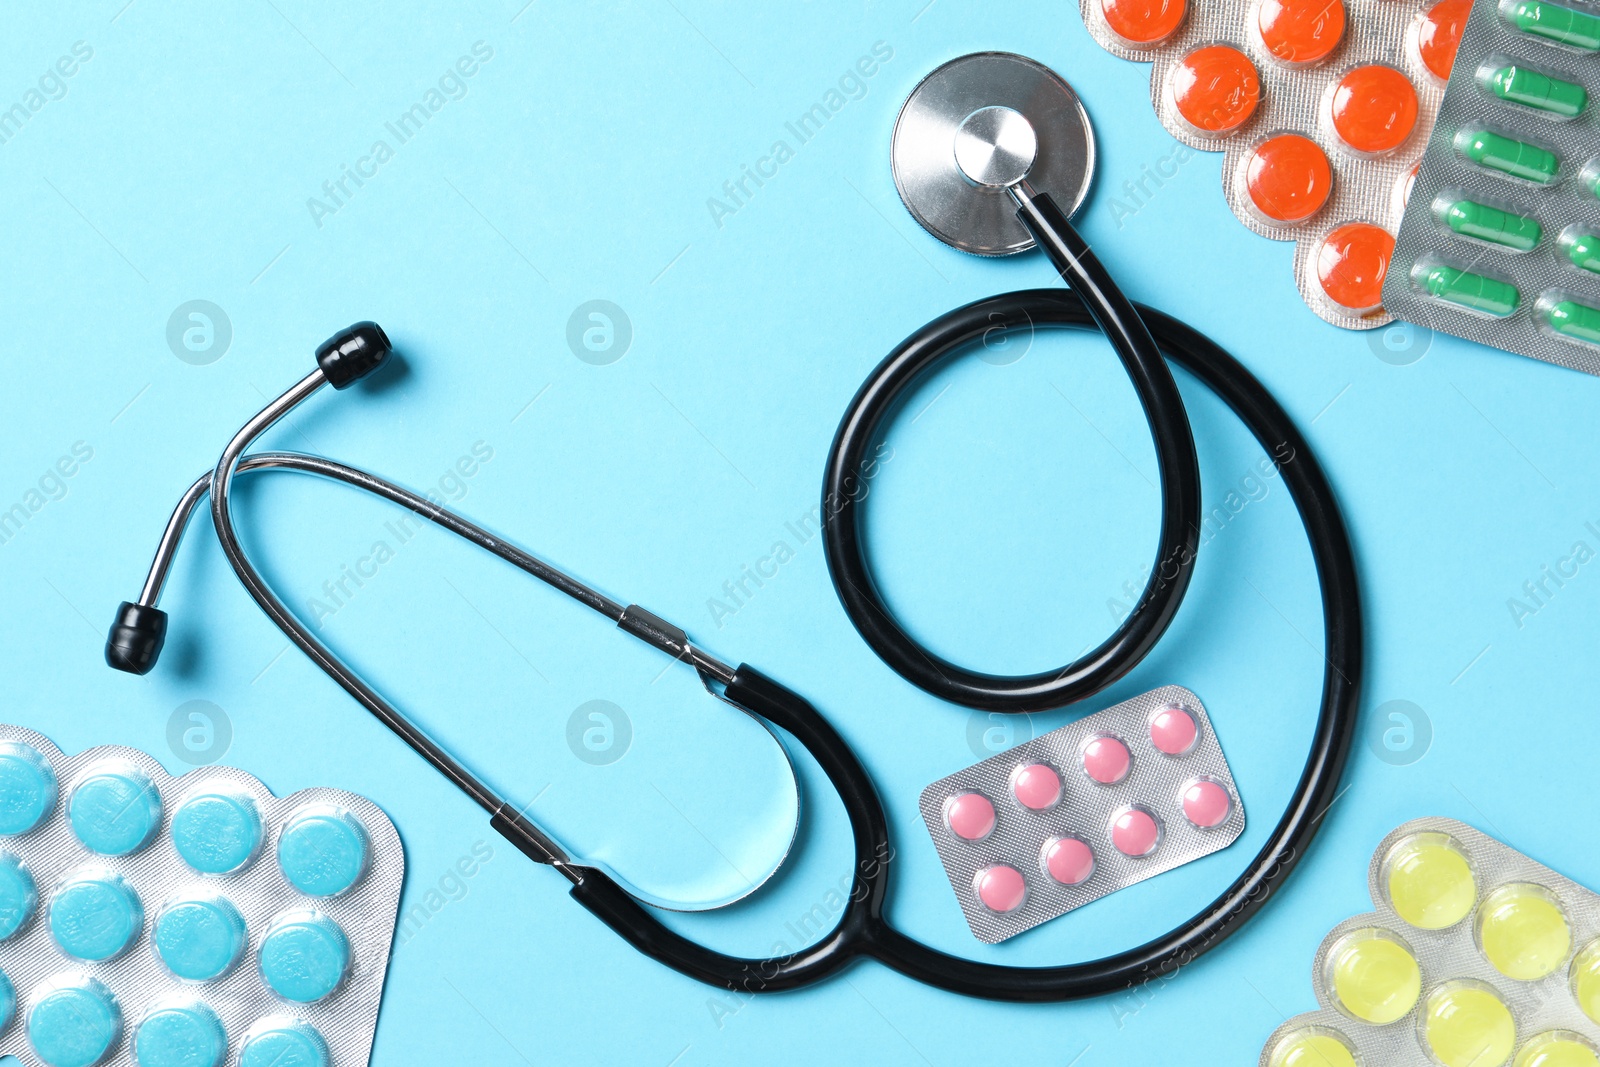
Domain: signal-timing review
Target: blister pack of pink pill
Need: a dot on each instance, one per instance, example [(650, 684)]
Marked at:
[(1321, 108), (1083, 811)]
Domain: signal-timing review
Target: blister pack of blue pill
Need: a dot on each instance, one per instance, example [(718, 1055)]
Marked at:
[(196, 921), (1501, 237)]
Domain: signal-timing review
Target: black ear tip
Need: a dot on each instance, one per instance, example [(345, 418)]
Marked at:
[(134, 643), (353, 353)]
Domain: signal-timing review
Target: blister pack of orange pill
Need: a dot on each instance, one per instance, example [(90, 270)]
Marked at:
[(1321, 108)]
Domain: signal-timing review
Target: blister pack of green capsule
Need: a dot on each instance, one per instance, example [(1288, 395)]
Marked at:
[(1500, 242)]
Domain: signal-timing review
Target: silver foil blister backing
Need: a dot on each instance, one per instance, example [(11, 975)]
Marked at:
[(1293, 99), (1154, 782), (346, 1019), (1453, 954), (1425, 241)]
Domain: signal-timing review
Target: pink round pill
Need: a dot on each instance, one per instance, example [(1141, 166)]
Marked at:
[(1173, 731), (970, 815), (1105, 759), (1037, 786), (1205, 803), (1001, 888), (1068, 860), (1135, 832)]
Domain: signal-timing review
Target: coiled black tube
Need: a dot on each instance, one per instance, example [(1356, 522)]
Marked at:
[(863, 931), (1099, 303)]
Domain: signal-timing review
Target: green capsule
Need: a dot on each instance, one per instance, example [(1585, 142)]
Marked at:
[(1532, 89), (1584, 251), (1555, 23), (1476, 291), (1471, 219), (1572, 319), (1516, 158)]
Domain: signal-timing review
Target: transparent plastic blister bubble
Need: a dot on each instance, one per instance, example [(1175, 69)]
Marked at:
[(1321, 108), (1515, 261), (1475, 957), (1082, 811), (186, 922)]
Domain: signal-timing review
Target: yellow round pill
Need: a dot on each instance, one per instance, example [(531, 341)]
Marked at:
[(1585, 979), (1317, 1046), (1558, 1048), (1523, 931), (1465, 1024), (1430, 881), (1374, 976)]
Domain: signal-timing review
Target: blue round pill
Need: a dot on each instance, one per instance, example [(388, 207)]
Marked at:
[(179, 1034), (304, 956), (216, 831), (283, 1043), (8, 1000), (322, 850), (18, 894), (27, 787), (73, 1023), (199, 937), (114, 810), (95, 915)]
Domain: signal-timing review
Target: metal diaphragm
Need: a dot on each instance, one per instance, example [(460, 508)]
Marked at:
[(971, 105)]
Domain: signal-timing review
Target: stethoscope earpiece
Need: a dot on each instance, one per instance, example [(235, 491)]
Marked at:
[(140, 628), (353, 353), (136, 637)]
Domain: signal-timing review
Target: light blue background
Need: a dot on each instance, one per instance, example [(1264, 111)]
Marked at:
[(1019, 500)]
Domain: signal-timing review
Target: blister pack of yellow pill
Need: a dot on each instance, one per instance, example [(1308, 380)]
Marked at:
[(1321, 108), (1501, 240), (1476, 956)]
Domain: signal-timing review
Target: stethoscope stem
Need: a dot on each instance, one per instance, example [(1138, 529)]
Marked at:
[(171, 538), (642, 624), (507, 819), (1054, 233), (278, 612)]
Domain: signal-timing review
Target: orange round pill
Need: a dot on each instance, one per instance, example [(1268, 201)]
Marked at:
[(1288, 177), (1215, 88), (1351, 263), (1439, 35), (1298, 32), (1143, 22), (1374, 109)]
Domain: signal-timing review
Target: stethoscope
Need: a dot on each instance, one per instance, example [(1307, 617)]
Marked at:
[(972, 167)]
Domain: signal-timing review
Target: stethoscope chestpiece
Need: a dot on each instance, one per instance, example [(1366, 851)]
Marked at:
[(975, 127)]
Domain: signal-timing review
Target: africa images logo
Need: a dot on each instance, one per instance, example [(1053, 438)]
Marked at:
[(451, 85), (739, 190)]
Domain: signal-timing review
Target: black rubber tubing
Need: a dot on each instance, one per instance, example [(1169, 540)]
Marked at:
[(863, 931), (1102, 305)]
